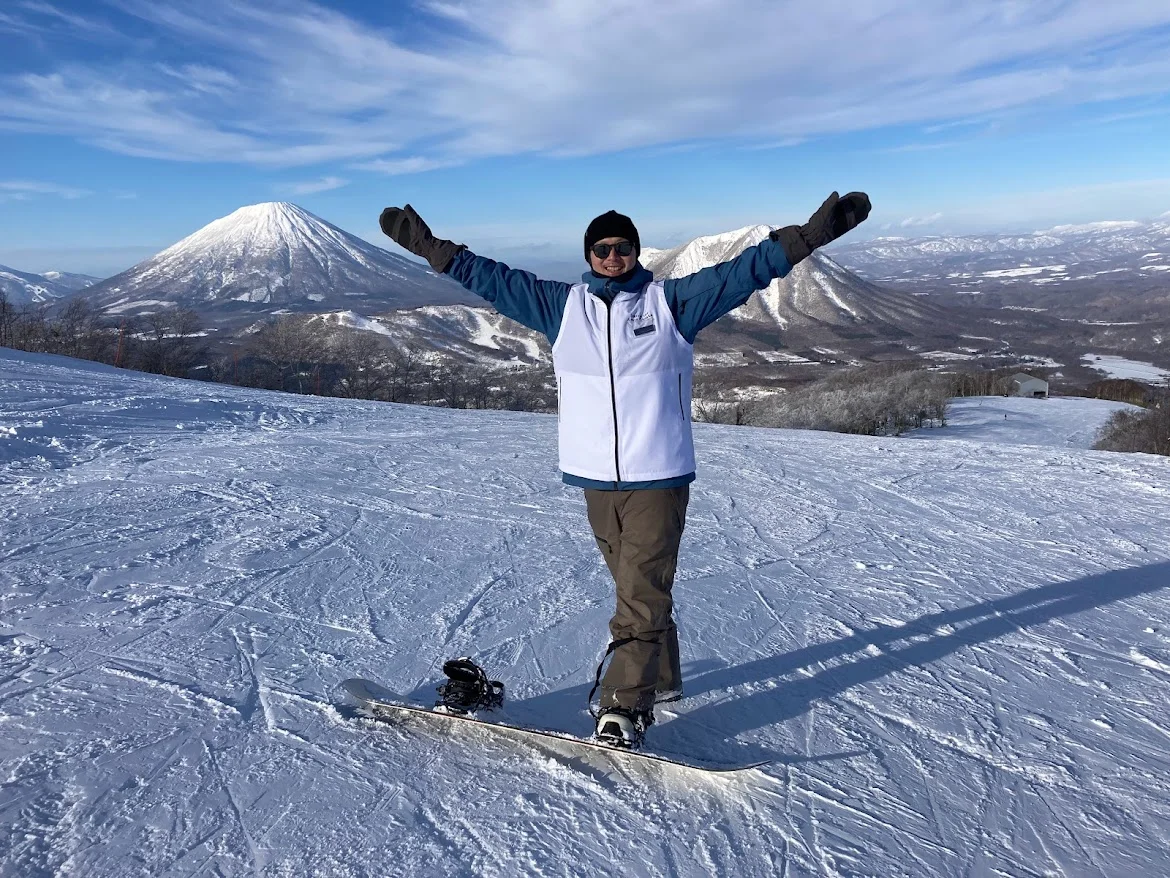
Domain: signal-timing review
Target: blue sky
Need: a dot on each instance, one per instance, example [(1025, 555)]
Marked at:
[(126, 125)]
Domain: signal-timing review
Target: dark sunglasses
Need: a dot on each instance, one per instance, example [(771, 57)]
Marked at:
[(623, 248)]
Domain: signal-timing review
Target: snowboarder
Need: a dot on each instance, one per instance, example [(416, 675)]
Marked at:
[(622, 346)]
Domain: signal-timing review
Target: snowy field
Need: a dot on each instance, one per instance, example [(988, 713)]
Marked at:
[(1120, 367), (1059, 422), (956, 655)]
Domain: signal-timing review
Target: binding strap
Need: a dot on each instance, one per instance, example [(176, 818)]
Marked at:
[(468, 688), (597, 679)]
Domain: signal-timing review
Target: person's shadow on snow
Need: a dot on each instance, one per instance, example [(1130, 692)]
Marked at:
[(773, 695)]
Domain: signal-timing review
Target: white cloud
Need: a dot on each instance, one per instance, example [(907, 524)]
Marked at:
[(922, 147), (202, 78), (310, 187), (23, 190), (913, 221), (299, 83), (410, 165), (39, 19)]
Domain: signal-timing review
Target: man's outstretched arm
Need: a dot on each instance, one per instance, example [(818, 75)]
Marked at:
[(537, 304), (699, 299)]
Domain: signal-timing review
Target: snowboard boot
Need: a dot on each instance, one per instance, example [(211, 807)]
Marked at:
[(623, 727)]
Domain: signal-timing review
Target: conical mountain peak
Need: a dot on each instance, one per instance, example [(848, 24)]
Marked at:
[(275, 256)]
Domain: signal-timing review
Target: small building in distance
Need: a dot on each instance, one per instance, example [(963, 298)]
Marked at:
[(1023, 384)]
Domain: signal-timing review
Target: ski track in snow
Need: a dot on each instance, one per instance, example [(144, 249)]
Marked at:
[(957, 654)]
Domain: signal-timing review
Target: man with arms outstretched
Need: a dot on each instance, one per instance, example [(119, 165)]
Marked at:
[(623, 354)]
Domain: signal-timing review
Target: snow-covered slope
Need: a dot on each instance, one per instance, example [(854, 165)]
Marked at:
[(480, 335), (274, 256), (1059, 422), (24, 288), (818, 291), (957, 655), (467, 332)]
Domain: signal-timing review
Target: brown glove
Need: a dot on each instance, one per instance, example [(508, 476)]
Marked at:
[(832, 220), (408, 230)]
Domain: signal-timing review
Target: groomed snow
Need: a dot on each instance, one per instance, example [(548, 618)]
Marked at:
[(957, 654), (1060, 422)]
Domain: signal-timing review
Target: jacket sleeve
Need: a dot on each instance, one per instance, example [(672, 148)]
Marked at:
[(699, 299), (538, 304)]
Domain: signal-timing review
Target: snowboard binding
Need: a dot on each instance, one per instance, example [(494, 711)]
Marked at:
[(468, 688)]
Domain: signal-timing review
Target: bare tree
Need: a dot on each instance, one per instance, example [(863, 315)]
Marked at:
[(1121, 390), (290, 344), (406, 374), (877, 401), (525, 389), (1133, 430), (166, 342), (362, 358), (7, 320), (30, 329), (80, 330)]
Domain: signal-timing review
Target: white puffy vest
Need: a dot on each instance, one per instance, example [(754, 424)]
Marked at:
[(624, 382)]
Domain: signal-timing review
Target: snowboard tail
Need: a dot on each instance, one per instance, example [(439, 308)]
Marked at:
[(381, 704)]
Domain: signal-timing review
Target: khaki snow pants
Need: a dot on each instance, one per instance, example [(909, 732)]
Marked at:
[(639, 533)]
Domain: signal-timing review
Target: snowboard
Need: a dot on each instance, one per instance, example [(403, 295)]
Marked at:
[(381, 704)]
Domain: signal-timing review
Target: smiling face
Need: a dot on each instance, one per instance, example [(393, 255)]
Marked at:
[(613, 264)]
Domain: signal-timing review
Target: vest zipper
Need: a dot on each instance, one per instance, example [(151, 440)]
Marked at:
[(681, 410), (617, 465)]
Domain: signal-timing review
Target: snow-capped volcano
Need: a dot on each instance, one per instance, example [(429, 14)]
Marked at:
[(818, 291), (274, 256), (25, 288)]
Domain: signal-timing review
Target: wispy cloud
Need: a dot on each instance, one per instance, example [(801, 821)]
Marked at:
[(298, 83), (949, 126), (1133, 114), (922, 147), (410, 165), (23, 190), (72, 19), (201, 78), (915, 221), (311, 187), (34, 18), (786, 143)]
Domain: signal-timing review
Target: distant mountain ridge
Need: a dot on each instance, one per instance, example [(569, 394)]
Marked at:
[(271, 258), (1095, 247), (25, 288), (1111, 271), (817, 293)]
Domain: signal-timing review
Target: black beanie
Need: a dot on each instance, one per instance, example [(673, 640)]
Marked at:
[(612, 224)]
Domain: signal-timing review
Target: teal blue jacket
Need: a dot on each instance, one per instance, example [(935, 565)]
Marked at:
[(696, 301)]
